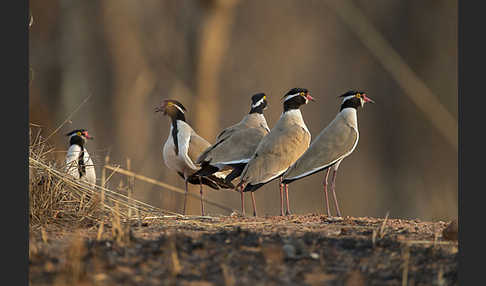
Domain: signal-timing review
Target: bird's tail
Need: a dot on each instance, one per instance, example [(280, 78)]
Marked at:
[(235, 173), (252, 188), (206, 170), (221, 182)]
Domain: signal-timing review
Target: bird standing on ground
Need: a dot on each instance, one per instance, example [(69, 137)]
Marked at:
[(287, 140), (335, 142), (182, 148), (236, 144), (78, 162)]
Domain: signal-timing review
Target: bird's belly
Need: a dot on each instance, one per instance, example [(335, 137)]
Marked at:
[(173, 161)]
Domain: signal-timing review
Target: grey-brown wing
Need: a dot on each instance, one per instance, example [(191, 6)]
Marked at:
[(222, 136), (277, 151), (197, 145), (334, 143), (239, 146)]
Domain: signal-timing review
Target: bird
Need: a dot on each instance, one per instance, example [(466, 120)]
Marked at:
[(78, 161), (287, 140), (335, 142), (182, 148), (236, 144)]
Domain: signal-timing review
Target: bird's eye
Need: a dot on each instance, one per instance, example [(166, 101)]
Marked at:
[(78, 133), (302, 93), (358, 95)]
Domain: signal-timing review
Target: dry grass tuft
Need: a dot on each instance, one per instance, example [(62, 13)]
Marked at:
[(56, 197)]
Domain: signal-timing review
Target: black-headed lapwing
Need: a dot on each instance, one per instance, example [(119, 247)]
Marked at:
[(332, 145), (78, 161), (285, 143), (236, 144), (182, 148)]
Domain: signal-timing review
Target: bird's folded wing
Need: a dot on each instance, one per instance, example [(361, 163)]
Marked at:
[(219, 139), (226, 132), (277, 151), (237, 148), (197, 145), (333, 144)]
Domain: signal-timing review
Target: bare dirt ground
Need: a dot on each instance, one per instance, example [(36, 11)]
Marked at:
[(233, 250)]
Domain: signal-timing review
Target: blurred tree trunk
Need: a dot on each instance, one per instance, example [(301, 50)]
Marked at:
[(213, 43), (84, 70), (132, 83), (44, 71)]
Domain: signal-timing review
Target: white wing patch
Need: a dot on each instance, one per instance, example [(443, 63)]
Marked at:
[(235, 162)]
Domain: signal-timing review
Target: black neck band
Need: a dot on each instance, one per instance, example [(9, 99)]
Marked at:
[(289, 105), (258, 109), (76, 140), (352, 102)]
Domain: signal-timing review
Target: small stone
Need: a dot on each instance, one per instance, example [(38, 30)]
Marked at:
[(100, 277), (314, 255), (289, 251), (451, 231)]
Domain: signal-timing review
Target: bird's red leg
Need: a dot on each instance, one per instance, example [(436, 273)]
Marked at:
[(242, 201), (325, 192), (185, 198), (201, 192), (281, 197), (287, 198), (254, 204), (333, 186)]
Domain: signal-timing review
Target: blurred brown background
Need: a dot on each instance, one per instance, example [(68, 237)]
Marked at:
[(213, 55)]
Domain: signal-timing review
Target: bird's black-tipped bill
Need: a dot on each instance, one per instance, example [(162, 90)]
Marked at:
[(87, 136)]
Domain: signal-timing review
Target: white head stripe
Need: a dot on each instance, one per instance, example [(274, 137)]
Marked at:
[(347, 97), (290, 96), (177, 106), (76, 134), (257, 103)]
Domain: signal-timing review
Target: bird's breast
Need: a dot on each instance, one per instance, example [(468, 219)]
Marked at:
[(171, 159)]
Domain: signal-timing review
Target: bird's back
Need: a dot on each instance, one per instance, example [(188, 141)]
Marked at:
[(236, 143), (197, 145)]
